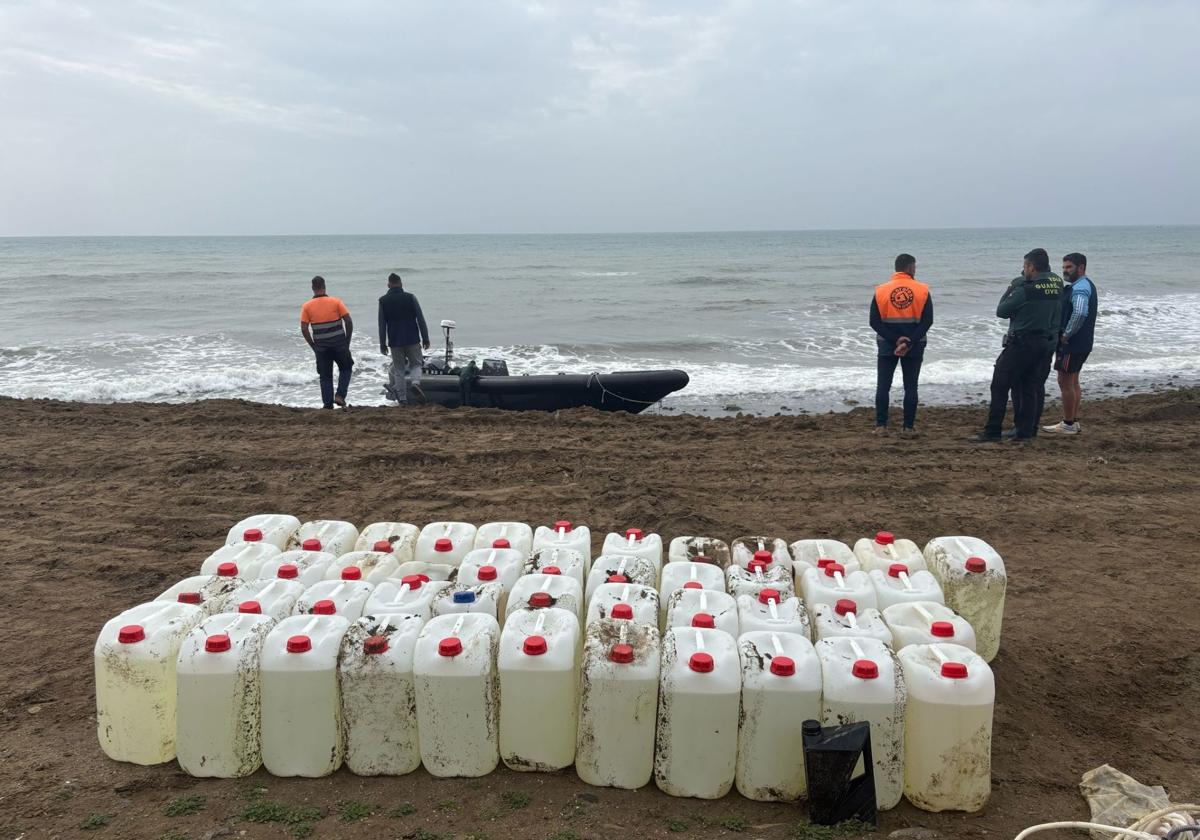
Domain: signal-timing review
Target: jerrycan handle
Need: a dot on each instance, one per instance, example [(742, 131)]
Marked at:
[(758, 575), (308, 628), (492, 558), (383, 625), (625, 593), (699, 640), (704, 600), (762, 546), (624, 632), (904, 579), (771, 606), (858, 651), (925, 614), (400, 593), (540, 624), (546, 582), (621, 565), (692, 572), (839, 579), (446, 528), (268, 587), (338, 590), (777, 644), (458, 625), (852, 619)]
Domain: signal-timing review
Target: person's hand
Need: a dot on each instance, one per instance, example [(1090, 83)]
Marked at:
[(384, 350), (901, 349), (425, 345), (1062, 338)]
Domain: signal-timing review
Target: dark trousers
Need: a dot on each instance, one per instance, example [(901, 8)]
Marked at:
[(910, 369), (327, 357), (1021, 369), (1042, 376)]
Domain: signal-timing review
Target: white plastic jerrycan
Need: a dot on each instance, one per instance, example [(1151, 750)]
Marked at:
[(700, 549), (458, 701), (567, 561), (618, 704), (135, 656), (973, 579), (408, 596), (401, 538), (927, 623), (277, 529), (635, 543), (767, 551), (517, 535), (768, 612), (445, 542), (814, 554), (739, 581), (846, 619), (862, 682), (275, 598), (699, 701), (538, 592), (220, 696), (375, 674), (248, 557), (493, 565), (898, 585), (621, 568), (481, 598), (307, 567), (301, 704), (208, 592), (565, 535), (833, 584), (781, 684), (538, 662), (948, 745), (374, 566), (625, 601), (679, 573), (703, 608), (427, 571), (884, 550), (330, 535), (335, 597)]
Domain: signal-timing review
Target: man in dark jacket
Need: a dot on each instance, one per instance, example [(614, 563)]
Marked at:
[(1032, 304), (1075, 344), (901, 315), (402, 330)]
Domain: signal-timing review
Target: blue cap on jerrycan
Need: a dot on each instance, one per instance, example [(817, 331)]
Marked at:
[(464, 597)]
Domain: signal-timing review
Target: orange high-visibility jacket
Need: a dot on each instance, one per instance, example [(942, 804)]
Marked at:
[(901, 300)]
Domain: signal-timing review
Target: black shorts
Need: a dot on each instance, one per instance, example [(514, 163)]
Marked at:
[(1070, 362)]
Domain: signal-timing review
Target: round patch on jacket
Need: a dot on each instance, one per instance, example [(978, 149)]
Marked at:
[(902, 297)]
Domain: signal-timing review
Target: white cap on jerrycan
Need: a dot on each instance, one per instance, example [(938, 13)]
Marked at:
[(374, 566), (219, 693), (277, 529), (898, 585), (863, 682), (699, 701), (564, 534), (568, 562), (401, 538), (625, 601), (518, 535), (538, 661), (739, 581), (301, 704), (445, 542), (781, 684), (845, 618), (882, 550), (703, 608), (458, 712), (699, 549), (208, 592), (927, 623), (768, 612), (481, 598), (951, 696), (345, 597), (618, 703), (493, 565), (689, 574), (833, 584), (974, 581), (135, 659), (537, 592), (761, 551), (249, 558), (306, 565), (621, 568), (275, 598), (817, 554), (411, 595), (375, 674), (334, 535)]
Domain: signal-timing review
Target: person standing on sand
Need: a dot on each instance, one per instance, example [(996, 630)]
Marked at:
[(901, 315), (326, 326), (1075, 343), (1032, 303), (402, 329)]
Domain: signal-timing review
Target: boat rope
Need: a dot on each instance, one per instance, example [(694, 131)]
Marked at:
[(595, 377)]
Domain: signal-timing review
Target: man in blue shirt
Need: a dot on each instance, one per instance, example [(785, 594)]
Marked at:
[(1075, 342)]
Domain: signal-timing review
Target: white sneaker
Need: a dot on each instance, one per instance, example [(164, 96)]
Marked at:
[(1063, 428)]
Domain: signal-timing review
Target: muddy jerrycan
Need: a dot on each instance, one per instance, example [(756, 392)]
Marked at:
[(458, 695), (739, 581), (401, 538), (884, 550), (768, 551), (301, 704), (445, 542), (538, 592), (565, 535), (209, 592), (408, 596), (781, 684), (618, 703), (248, 557), (135, 664), (973, 580), (898, 585), (220, 696), (375, 675), (517, 535), (333, 535), (833, 584), (427, 571), (306, 566), (817, 554), (699, 549), (845, 618), (771, 613), (863, 682), (679, 574), (635, 543), (374, 566), (703, 608), (335, 597), (625, 601), (277, 529), (568, 562), (699, 700), (927, 623), (500, 566), (274, 598), (621, 568), (481, 598)]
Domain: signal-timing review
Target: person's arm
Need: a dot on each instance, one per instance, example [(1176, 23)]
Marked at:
[(1011, 303), (349, 324), (925, 323), (883, 330), (383, 337), (421, 323), (307, 335), (1079, 312)]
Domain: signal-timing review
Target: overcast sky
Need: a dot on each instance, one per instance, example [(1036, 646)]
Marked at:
[(247, 117)]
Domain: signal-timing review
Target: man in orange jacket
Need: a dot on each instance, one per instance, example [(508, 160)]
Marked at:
[(901, 315), (326, 325)]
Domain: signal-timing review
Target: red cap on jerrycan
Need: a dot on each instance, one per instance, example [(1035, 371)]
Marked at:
[(704, 620), (311, 544), (885, 538), (189, 598), (217, 643), (700, 662), (942, 629), (621, 654), (976, 565), (250, 608), (562, 525), (540, 600), (897, 569), (443, 545), (288, 571), (633, 533), (535, 646), (352, 573), (865, 669), (252, 535), (767, 595), (450, 646), (622, 611), (375, 644), (227, 570), (693, 584), (324, 607), (501, 542), (783, 666), (486, 573), (131, 633), (845, 605), (382, 546)]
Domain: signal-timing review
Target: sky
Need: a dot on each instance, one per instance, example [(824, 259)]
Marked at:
[(148, 117)]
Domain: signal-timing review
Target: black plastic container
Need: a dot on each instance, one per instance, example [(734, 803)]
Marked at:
[(830, 756)]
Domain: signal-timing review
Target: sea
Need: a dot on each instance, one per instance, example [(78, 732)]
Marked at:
[(763, 322)]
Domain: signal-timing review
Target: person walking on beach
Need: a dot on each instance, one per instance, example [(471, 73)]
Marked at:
[(901, 315), (1032, 303), (1075, 343), (402, 329), (326, 325)]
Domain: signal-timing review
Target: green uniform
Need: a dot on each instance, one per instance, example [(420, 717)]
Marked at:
[(1033, 305)]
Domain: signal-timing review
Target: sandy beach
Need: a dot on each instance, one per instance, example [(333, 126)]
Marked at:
[(106, 505)]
